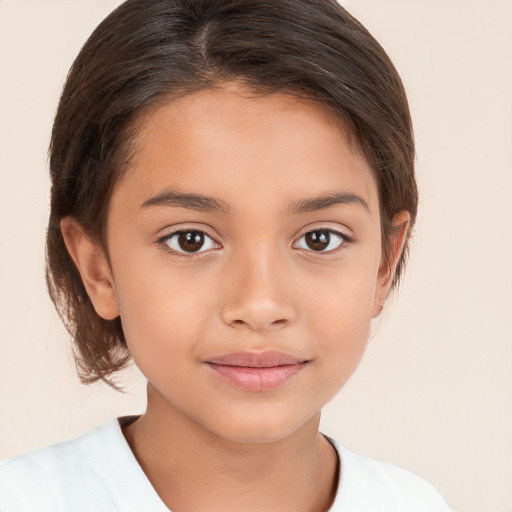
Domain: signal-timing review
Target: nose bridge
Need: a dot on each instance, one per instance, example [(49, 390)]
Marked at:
[(257, 289)]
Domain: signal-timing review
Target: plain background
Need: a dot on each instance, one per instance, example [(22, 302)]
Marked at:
[(433, 393)]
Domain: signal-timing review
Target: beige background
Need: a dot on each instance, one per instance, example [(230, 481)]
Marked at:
[(434, 391)]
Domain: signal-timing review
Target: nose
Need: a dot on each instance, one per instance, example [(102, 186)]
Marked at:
[(258, 295)]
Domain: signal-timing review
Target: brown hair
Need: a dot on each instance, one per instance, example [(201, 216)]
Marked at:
[(145, 52)]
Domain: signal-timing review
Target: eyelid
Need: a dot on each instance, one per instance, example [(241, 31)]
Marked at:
[(345, 232)]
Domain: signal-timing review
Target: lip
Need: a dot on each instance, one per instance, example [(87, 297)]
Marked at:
[(256, 371)]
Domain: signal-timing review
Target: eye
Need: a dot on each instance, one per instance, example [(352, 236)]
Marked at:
[(321, 240), (191, 241)]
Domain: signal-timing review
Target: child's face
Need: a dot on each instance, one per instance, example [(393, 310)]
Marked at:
[(268, 274)]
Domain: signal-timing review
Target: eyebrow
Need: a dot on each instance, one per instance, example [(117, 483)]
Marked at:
[(200, 202), (325, 201)]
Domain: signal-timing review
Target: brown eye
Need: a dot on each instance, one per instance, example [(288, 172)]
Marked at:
[(189, 241), (321, 240), (317, 240)]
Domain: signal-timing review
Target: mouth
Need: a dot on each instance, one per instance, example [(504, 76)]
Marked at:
[(256, 372)]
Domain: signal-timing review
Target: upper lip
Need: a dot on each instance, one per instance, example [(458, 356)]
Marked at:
[(266, 359)]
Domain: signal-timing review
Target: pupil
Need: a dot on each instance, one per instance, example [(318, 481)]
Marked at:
[(318, 240), (191, 241)]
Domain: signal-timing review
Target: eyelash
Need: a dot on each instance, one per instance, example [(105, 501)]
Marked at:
[(164, 241)]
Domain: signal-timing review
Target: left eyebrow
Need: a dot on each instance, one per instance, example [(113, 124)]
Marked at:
[(310, 204)]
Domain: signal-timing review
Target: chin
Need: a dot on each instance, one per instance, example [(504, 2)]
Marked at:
[(262, 428)]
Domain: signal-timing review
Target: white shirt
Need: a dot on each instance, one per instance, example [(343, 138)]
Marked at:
[(98, 472)]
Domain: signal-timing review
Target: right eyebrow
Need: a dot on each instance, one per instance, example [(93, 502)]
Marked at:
[(199, 202)]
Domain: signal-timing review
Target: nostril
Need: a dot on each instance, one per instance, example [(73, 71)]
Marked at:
[(275, 323)]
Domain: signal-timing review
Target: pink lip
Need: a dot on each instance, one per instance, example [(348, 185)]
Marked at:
[(256, 372)]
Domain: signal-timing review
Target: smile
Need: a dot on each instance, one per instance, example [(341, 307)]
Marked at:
[(256, 372)]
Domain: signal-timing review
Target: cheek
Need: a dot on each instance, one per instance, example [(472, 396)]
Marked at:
[(342, 314), (163, 313)]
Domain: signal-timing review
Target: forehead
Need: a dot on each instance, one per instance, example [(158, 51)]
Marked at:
[(231, 143)]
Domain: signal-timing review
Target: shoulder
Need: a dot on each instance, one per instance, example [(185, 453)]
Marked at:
[(366, 483), (56, 477)]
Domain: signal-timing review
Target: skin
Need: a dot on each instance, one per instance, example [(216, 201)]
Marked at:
[(256, 285)]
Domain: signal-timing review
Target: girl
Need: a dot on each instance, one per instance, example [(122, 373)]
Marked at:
[(232, 198)]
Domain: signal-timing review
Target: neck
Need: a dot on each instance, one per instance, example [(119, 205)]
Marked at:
[(192, 468)]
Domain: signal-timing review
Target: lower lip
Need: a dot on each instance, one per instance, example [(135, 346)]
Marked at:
[(256, 379)]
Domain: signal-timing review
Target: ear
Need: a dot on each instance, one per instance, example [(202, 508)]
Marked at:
[(388, 267), (93, 267)]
